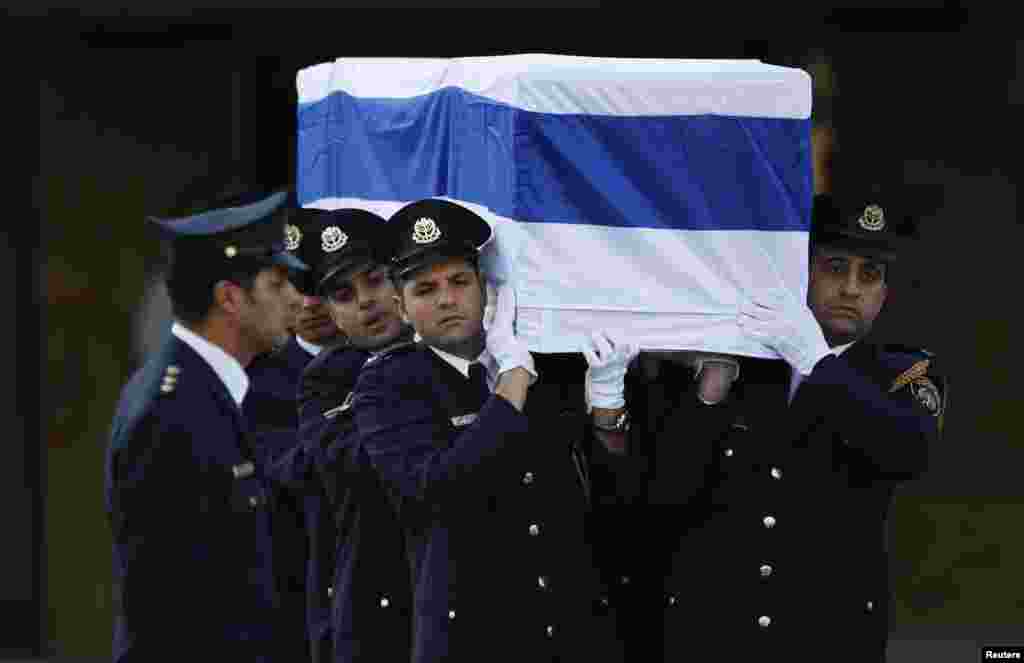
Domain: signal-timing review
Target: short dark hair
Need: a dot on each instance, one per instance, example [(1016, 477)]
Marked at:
[(191, 289)]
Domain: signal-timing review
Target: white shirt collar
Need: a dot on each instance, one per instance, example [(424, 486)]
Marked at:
[(311, 348), (462, 365), (227, 368)]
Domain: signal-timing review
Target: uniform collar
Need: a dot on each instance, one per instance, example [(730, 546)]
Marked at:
[(227, 368), (840, 349), (462, 365), (311, 348)]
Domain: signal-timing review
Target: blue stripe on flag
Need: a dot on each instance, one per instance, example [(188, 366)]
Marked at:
[(678, 172)]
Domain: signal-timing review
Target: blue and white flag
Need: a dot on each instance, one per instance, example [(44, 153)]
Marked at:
[(644, 197)]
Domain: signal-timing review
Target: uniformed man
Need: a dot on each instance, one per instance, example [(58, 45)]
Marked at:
[(304, 535), (368, 585), (482, 461), (186, 492), (771, 480)]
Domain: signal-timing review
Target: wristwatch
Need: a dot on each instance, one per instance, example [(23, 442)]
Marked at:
[(612, 423)]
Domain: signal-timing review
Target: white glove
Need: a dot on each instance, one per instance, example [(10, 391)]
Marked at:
[(499, 324), (778, 320), (606, 375)]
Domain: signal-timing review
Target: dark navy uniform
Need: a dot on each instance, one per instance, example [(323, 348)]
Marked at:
[(270, 410), (493, 502), (359, 591), (370, 607), (186, 491), (772, 514), (494, 507), (306, 532), (270, 404)]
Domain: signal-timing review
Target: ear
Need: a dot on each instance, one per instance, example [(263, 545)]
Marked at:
[(228, 297), (885, 294)]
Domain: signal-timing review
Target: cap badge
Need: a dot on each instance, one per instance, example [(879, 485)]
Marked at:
[(230, 251), (425, 231), (872, 219), (292, 237), (333, 239)]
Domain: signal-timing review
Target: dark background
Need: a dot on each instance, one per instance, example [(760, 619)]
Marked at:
[(136, 114)]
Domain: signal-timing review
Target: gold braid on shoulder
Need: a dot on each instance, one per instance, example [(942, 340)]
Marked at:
[(909, 375)]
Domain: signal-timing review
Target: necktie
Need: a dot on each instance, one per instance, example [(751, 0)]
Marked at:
[(478, 380)]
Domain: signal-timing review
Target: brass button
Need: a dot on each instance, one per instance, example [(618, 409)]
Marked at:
[(330, 592), (671, 599), (167, 388), (384, 602), (764, 621), (542, 582), (451, 614), (766, 570), (728, 452), (230, 251), (254, 501), (624, 580), (528, 478), (550, 631), (776, 473), (769, 522), (534, 530), (870, 606)]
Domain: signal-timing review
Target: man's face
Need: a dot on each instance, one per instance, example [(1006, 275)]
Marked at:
[(314, 322), (268, 310), (846, 293), (445, 304), (363, 307)]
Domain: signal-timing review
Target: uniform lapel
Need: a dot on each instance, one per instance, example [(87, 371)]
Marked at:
[(219, 392)]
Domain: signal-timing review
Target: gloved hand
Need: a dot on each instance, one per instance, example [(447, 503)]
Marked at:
[(499, 324), (778, 320), (714, 374), (606, 373)]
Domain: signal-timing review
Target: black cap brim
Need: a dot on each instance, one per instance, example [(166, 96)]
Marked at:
[(433, 254), (861, 244), (286, 259), (349, 265)]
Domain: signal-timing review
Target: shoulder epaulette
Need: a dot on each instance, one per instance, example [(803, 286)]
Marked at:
[(170, 381), (918, 370), (899, 348)]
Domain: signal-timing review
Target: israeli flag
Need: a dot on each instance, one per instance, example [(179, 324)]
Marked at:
[(644, 197)]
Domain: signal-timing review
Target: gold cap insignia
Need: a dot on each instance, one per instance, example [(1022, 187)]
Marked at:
[(292, 237), (872, 219), (230, 251), (333, 239), (425, 231)]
